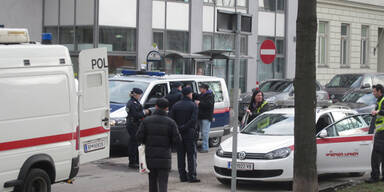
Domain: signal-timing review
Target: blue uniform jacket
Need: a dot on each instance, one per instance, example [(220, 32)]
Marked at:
[(184, 112)]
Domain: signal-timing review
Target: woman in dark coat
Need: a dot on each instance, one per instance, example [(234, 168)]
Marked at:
[(257, 106)]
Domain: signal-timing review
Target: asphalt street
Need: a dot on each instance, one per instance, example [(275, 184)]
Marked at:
[(113, 175)]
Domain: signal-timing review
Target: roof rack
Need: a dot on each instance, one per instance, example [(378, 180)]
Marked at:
[(149, 73)]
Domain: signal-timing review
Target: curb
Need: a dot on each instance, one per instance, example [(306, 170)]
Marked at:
[(341, 185)]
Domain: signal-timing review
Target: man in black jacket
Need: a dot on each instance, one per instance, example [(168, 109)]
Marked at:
[(158, 132), (206, 103), (184, 112), (175, 95)]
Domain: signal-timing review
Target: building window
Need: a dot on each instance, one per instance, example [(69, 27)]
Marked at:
[(118, 38), (66, 37), (227, 3), (178, 41), (158, 39), (270, 5), (84, 37), (364, 51), (344, 44), (207, 42), (322, 41), (275, 69)]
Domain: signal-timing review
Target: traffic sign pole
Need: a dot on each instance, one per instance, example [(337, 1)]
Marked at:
[(236, 103)]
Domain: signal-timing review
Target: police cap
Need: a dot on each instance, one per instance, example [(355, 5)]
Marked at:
[(176, 84), (204, 86), (137, 91), (186, 90)]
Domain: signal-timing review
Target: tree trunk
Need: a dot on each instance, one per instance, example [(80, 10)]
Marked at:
[(305, 172)]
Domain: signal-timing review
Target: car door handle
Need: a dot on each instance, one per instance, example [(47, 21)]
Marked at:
[(105, 122)]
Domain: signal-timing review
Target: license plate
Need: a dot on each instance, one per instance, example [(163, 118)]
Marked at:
[(94, 145), (242, 166)]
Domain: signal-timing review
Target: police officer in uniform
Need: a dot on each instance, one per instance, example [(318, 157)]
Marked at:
[(135, 116), (378, 145), (185, 113)]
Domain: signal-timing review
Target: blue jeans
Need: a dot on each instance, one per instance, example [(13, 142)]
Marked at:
[(205, 126)]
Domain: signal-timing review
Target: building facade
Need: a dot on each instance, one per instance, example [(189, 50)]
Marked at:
[(184, 32), (350, 38)]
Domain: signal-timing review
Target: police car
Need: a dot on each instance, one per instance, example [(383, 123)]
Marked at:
[(157, 85), (265, 146)]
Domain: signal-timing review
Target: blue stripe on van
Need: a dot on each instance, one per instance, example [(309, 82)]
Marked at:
[(221, 119)]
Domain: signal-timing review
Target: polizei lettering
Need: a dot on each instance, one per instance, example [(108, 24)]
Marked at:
[(99, 63)]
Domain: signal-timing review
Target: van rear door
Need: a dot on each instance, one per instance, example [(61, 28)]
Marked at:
[(93, 105)]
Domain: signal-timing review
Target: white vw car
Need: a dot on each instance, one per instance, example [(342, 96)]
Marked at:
[(265, 146)]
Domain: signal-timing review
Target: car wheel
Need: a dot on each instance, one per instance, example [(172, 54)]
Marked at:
[(37, 180), (214, 142), (224, 181), (356, 174)]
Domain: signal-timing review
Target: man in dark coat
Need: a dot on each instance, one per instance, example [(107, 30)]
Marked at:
[(175, 95), (135, 115), (206, 103), (377, 156), (184, 112), (158, 132)]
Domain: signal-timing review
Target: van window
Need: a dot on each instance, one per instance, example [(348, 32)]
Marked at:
[(158, 91), (34, 96), (215, 87), (95, 94), (185, 83), (119, 91)]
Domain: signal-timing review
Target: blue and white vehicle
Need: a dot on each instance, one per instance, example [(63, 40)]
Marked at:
[(157, 85)]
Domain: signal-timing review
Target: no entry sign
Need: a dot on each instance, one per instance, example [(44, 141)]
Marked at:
[(267, 51)]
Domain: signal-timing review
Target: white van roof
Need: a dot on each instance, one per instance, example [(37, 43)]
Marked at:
[(148, 78), (32, 55)]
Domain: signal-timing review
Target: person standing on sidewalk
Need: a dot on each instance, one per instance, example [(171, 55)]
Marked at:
[(206, 103), (158, 133), (185, 112), (135, 114), (175, 95), (377, 155)]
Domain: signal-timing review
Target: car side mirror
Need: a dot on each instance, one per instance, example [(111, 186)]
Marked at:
[(292, 93), (323, 133), (365, 86)]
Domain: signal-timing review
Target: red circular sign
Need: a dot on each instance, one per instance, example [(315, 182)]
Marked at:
[(267, 51)]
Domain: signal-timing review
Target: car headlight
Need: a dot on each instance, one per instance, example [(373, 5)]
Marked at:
[(220, 152), (279, 153), (116, 122)]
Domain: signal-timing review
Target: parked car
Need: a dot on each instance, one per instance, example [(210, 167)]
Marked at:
[(279, 92), (342, 84), (361, 100), (266, 145)]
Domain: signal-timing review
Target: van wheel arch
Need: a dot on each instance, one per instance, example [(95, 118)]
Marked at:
[(38, 161)]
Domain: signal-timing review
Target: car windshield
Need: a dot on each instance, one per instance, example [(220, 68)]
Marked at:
[(274, 86), (345, 80), (119, 90), (360, 97), (271, 124)]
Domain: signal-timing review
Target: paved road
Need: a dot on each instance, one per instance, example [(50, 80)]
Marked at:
[(113, 175)]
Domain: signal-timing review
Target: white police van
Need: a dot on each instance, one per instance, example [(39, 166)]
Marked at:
[(157, 85), (48, 126)]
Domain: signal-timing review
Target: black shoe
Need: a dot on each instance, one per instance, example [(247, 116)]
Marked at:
[(194, 180), (183, 179), (372, 180), (133, 165)]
